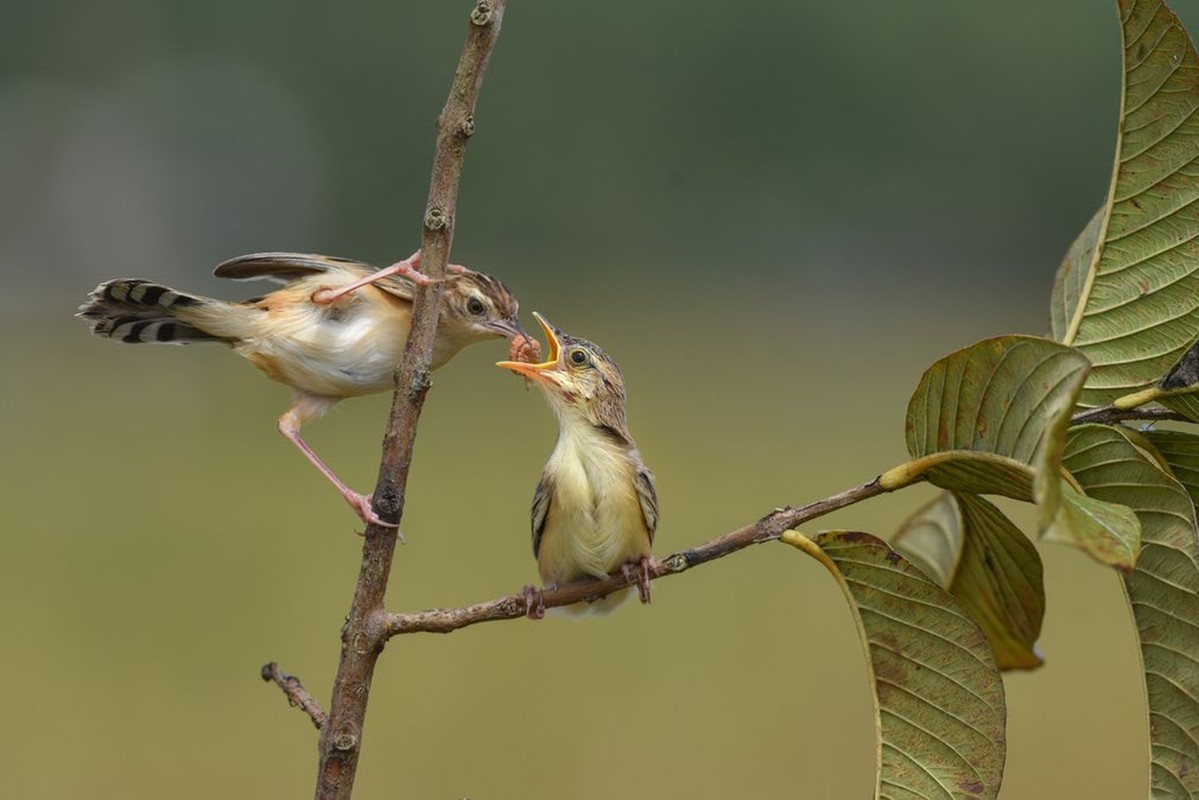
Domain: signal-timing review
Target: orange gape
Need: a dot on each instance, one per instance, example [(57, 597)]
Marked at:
[(595, 509)]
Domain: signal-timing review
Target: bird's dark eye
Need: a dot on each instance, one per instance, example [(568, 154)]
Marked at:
[(475, 307), (578, 357)]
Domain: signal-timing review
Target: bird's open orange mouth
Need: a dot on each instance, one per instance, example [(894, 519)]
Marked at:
[(537, 371)]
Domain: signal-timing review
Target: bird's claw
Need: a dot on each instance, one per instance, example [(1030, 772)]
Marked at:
[(410, 269), (637, 573), (361, 503), (534, 602)]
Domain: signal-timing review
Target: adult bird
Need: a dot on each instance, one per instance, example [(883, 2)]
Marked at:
[(336, 328), (595, 509)]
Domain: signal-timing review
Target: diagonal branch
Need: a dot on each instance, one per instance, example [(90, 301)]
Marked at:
[(363, 633), (295, 692), (1109, 415), (768, 528)]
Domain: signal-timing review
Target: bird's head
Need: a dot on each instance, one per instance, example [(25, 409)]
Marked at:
[(578, 378), (477, 306)]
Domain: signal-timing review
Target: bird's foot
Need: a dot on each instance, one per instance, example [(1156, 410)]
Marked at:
[(409, 268), (361, 503), (638, 573), (534, 602)]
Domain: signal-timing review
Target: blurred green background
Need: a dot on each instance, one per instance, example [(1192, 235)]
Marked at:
[(774, 214)]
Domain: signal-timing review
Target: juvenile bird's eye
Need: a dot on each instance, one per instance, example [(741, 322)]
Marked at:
[(475, 306), (578, 357)]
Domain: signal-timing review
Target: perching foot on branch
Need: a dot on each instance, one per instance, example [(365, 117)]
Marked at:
[(409, 268), (534, 601), (637, 573)]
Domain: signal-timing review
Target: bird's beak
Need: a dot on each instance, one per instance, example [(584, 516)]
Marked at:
[(538, 372), (508, 328)]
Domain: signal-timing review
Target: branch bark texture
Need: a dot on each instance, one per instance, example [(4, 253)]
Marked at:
[(768, 528), (364, 633), (295, 693)]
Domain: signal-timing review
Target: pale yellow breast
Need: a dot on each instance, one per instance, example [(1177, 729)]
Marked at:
[(595, 523)]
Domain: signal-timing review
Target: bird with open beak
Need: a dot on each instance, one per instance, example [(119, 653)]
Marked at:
[(595, 509)]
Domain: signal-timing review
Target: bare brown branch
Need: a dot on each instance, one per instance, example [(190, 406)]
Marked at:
[(295, 692), (768, 528), (363, 635), (1107, 415)]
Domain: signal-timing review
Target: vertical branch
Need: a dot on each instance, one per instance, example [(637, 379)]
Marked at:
[(364, 632)]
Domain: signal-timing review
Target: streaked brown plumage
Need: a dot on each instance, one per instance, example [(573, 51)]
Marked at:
[(595, 509), (326, 345)]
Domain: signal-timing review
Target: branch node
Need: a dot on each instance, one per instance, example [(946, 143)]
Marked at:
[(345, 741), (482, 14), (677, 562), (388, 501), (435, 219), (420, 383)]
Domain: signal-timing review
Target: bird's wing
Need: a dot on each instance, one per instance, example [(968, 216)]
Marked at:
[(541, 509), (287, 267), (649, 500)]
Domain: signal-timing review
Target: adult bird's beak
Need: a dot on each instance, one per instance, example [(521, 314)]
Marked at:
[(538, 372), (508, 328)]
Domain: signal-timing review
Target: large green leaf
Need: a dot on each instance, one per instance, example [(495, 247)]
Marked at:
[(1005, 398), (970, 548), (991, 419), (1118, 465), (1001, 396), (1127, 294), (939, 703)]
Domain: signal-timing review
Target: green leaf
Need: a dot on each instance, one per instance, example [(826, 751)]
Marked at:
[(1181, 451), (967, 472), (1127, 294), (969, 547), (939, 703), (1071, 278), (1108, 532), (990, 419), (1119, 465), (1185, 404), (1000, 396)]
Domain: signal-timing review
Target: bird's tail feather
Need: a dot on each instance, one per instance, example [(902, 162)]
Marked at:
[(135, 311)]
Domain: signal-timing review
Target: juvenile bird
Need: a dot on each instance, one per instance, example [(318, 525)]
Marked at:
[(595, 509), (336, 329)]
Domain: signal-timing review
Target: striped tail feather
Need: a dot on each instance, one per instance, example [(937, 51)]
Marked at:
[(133, 311)]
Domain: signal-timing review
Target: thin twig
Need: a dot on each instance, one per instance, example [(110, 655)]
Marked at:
[(296, 694), (363, 633), (768, 528), (1108, 415)]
